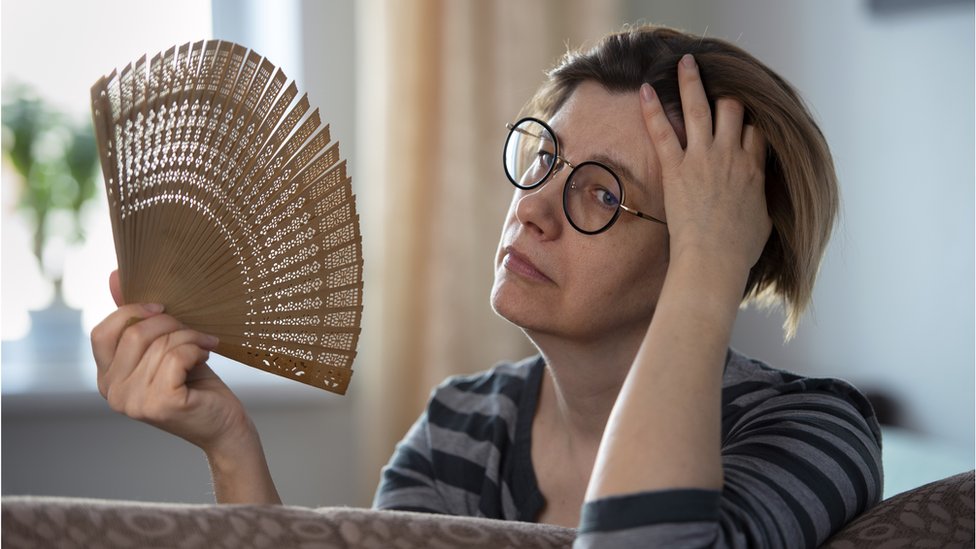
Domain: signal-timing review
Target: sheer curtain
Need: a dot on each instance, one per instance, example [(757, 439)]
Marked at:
[(437, 82)]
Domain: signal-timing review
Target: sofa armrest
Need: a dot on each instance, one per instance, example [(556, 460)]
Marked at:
[(72, 522), (938, 514)]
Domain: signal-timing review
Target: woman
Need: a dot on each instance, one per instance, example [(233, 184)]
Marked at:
[(662, 179)]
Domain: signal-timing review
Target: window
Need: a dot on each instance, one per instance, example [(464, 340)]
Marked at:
[(60, 57)]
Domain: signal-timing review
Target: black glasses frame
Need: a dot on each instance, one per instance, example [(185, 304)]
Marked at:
[(557, 164)]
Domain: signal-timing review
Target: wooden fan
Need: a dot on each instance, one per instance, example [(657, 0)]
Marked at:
[(230, 207)]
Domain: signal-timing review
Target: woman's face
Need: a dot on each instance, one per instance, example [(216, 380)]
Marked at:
[(551, 279)]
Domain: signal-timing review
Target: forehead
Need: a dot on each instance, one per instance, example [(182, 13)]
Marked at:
[(594, 122)]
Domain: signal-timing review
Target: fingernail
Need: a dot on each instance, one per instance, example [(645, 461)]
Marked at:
[(153, 308), (646, 92), (688, 60), (210, 342)]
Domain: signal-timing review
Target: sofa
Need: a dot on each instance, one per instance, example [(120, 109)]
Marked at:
[(937, 515)]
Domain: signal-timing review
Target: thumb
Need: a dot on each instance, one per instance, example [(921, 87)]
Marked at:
[(116, 288)]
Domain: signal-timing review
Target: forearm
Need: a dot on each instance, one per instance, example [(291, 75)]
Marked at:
[(240, 473), (664, 431)]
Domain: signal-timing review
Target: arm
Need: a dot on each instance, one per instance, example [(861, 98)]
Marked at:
[(718, 225), (714, 199), (800, 458), (240, 471), (153, 369)]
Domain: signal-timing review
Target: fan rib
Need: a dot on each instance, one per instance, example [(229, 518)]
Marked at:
[(231, 206)]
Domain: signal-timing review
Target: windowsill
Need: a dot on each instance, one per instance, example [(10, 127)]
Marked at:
[(65, 384)]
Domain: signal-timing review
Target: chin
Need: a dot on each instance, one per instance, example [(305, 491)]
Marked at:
[(515, 306), (536, 317), (502, 303)]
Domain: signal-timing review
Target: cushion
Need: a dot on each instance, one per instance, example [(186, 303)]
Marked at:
[(938, 515), (72, 522)]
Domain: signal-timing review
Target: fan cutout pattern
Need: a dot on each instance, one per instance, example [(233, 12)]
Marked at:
[(231, 206)]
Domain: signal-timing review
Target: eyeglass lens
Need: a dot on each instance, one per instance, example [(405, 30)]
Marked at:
[(591, 196), (529, 154)]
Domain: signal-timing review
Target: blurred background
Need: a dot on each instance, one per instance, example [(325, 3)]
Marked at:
[(417, 94)]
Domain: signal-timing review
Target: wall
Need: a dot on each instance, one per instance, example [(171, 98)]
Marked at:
[(893, 91), (74, 445)]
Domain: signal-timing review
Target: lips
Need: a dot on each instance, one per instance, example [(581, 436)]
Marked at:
[(523, 266)]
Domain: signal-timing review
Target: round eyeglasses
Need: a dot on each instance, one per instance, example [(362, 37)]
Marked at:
[(593, 196)]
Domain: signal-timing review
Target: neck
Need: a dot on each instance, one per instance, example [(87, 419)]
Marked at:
[(583, 380)]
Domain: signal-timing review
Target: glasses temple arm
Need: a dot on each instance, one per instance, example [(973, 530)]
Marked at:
[(641, 215), (521, 131)]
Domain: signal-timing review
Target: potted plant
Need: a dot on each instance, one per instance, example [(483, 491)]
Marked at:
[(57, 162)]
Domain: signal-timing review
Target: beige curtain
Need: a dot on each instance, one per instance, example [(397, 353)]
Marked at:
[(438, 80)]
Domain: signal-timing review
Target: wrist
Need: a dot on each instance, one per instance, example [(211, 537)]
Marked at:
[(240, 470), (711, 272), (226, 452)]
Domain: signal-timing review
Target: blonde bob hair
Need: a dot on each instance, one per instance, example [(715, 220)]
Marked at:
[(801, 186)]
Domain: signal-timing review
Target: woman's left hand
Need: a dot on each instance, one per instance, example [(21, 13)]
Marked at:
[(714, 195)]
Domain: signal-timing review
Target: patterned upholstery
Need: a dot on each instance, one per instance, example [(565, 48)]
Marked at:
[(68, 523), (937, 515)]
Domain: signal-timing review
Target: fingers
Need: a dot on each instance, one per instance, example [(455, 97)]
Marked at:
[(699, 130), (694, 103), (134, 343), (754, 143), (148, 392), (199, 372), (729, 112), (729, 115), (106, 335), (174, 370), (115, 287), (130, 382), (126, 343), (665, 141), (157, 344)]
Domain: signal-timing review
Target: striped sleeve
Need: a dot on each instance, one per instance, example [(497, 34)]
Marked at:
[(407, 481), (450, 461), (798, 465)]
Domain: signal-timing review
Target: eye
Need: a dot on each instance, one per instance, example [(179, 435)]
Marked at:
[(544, 157), (540, 162), (606, 198)]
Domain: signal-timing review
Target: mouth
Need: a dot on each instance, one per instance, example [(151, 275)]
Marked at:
[(522, 266)]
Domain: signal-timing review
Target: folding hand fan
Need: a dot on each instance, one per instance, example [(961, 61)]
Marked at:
[(230, 207)]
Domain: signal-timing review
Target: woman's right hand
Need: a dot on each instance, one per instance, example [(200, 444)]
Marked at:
[(153, 369)]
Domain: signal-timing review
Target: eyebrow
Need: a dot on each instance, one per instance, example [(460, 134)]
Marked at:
[(620, 169), (615, 164)]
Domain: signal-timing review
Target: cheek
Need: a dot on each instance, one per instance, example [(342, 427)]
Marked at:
[(621, 270), (646, 269)]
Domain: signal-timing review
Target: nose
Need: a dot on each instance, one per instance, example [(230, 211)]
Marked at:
[(540, 210)]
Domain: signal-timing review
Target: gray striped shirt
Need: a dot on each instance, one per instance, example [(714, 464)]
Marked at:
[(801, 458)]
